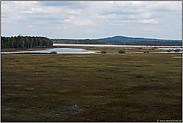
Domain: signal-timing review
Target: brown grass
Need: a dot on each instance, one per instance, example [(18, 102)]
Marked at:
[(94, 87)]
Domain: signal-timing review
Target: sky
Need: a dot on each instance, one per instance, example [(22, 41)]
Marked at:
[(92, 19)]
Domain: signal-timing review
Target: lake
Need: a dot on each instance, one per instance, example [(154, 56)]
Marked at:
[(83, 51), (58, 50)]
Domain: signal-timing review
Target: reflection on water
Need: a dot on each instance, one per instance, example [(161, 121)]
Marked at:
[(178, 48), (58, 50)]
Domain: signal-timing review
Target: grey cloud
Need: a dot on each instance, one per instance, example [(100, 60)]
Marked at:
[(71, 4)]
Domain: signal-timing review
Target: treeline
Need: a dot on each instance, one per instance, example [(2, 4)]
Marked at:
[(25, 42), (149, 43), (87, 41), (155, 43)]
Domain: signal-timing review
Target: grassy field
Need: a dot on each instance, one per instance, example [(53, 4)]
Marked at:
[(94, 87)]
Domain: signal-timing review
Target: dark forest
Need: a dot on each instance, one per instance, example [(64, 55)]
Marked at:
[(25, 42)]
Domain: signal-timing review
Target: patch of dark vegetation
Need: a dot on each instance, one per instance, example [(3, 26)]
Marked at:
[(103, 51), (121, 51), (177, 50), (12, 99), (139, 75), (53, 52), (49, 66)]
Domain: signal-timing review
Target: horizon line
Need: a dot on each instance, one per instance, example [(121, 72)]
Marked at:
[(96, 38)]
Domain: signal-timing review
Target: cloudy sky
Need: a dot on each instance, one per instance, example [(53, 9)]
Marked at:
[(92, 19)]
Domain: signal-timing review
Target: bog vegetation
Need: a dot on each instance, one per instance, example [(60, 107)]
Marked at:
[(25, 42), (94, 87)]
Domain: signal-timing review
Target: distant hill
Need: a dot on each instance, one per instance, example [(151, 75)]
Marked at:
[(130, 39), (121, 40)]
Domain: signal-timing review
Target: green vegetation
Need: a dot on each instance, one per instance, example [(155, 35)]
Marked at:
[(25, 42), (95, 87)]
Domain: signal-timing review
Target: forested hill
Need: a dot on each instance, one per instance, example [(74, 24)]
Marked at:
[(25, 42), (131, 39), (122, 40)]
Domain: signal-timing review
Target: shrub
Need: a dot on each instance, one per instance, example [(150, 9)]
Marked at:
[(17, 60), (53, 52), (121, 51), (176, 50), (103, 52)]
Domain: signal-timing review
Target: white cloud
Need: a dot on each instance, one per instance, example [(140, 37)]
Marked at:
[(117, 24), (148, 21), (83, 22), (90, 16), (70, 19), (26, 11), (151, 29), (93, 31), (61, 27), (165, 5), (112, 16), (141, 21), (44, 10), (25, 2), (30, 26), (73, 11), (99, 16)]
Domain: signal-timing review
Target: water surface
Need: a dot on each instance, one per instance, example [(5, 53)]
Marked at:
[(58, 50)]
